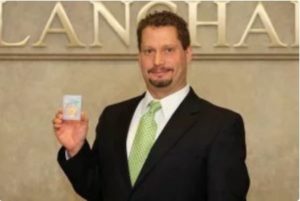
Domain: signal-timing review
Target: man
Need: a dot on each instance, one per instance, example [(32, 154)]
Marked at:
[(165, 145)]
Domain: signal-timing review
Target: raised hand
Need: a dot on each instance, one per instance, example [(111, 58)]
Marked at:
[(71, 134)]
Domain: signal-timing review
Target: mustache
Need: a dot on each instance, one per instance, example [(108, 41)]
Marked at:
[(159, 69)]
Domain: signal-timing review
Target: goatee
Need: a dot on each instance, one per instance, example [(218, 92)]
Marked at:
[(160, 83)]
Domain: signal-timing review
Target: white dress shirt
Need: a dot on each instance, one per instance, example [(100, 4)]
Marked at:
[(168, 106)]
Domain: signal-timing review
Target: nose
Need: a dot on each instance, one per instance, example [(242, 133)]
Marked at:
[(158, 59)]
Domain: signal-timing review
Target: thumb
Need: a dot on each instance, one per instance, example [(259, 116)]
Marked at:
[(84, 117)]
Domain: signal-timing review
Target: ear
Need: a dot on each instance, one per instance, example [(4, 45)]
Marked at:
[(189, 54)]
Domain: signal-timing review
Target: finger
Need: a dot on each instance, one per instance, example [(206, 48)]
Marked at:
[(84, 117), (57, 121), (57, 126), (59, 113)]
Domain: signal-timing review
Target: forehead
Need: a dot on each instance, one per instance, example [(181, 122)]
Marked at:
[(153, 35)]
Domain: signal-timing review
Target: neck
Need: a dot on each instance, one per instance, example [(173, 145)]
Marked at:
[(160, 93)]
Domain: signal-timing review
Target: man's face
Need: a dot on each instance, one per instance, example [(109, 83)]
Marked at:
[(162, 59)]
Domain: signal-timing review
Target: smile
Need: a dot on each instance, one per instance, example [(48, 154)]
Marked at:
[(159, 71)]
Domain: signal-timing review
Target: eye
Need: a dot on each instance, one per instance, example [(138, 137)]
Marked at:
[(169, 49), (148, 51)]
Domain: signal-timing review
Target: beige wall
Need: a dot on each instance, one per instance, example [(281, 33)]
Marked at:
[(265, 92)]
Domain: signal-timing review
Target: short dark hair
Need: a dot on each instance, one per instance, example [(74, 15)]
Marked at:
[(165, 18)]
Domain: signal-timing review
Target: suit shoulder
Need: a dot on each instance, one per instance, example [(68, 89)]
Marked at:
[(124, 104), (219, 111)]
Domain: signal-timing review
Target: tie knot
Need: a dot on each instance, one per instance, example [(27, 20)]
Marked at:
[(154, 106)]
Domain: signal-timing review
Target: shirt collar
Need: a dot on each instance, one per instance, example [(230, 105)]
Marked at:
[(169, 103)]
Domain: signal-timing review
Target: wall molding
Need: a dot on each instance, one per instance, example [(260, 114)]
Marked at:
[(133, 56)]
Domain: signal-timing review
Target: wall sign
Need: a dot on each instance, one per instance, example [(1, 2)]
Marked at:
[(106, 30)]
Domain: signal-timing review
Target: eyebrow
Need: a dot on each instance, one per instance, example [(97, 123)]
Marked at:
[(164, 46)]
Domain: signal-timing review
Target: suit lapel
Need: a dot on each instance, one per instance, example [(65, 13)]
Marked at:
[(183, 118), (120, 139)]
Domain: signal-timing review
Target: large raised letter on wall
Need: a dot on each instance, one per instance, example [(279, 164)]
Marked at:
[(269, 28), (7, 44), (124, 33), (220, 23), (67, 28)]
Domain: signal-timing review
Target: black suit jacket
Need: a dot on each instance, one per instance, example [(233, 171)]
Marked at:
[(199, 156)]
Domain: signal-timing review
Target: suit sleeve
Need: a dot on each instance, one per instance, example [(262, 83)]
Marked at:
[(228, 178), (83, 170)]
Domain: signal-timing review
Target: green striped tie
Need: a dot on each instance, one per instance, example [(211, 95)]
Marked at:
[(143, 141)]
